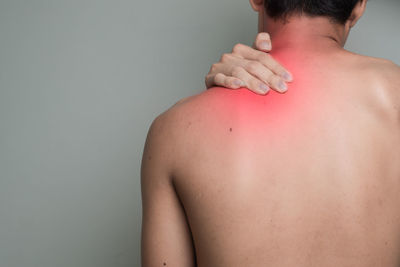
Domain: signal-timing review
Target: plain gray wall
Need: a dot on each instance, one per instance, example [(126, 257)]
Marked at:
[(80, 83)]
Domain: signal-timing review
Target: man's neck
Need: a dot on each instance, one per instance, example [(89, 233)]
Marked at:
[(305, 34)]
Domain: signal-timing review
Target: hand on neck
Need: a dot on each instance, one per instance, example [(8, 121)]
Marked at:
[(306, 34)]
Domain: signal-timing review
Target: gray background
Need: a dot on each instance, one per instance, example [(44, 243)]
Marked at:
[(80, 83)]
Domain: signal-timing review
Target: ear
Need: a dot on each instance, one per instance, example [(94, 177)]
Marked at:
[(357, 13), (257, 5)]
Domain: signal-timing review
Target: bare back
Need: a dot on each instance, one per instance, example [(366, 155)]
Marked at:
[(308, 178)]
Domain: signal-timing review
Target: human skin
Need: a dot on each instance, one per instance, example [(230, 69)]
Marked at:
[(306, 178), (252, 68)]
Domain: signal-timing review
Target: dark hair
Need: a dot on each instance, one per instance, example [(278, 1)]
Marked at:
[(338, 10)]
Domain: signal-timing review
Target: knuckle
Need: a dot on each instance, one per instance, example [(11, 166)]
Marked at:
[(253, 81), (214, 68), (236, 71), (219, 78), (277, 79), (254, 66), (271, 79), (274, 63), (225, 57), (277, 68), (254, 84), (237, 48), (280, 70), (264, 57)]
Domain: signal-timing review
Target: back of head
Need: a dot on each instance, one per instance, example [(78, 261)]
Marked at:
[(337, 10)]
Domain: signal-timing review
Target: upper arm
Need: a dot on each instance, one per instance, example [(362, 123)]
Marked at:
[(166, 237)]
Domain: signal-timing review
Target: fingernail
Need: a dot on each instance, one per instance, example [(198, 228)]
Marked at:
[(288, 77), (237, 83), (282, 86), (265, 45), (264, 88)]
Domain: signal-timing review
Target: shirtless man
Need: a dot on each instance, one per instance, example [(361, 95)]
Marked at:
[(307, 178)]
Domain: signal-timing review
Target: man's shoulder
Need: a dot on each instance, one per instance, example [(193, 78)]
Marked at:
[(178, 131), (390, 71), (165, 132), (387, 75), (196, 108), (178, 112), (379, 67), (382, 74)]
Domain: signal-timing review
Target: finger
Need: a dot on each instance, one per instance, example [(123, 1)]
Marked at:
[(221, 79), (263, 42), (262, 73), (254, 68), (210, 81), (214, 70), (264, 58), (250, 81)]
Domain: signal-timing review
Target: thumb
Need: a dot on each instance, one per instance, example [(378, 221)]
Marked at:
[(263, 42)]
